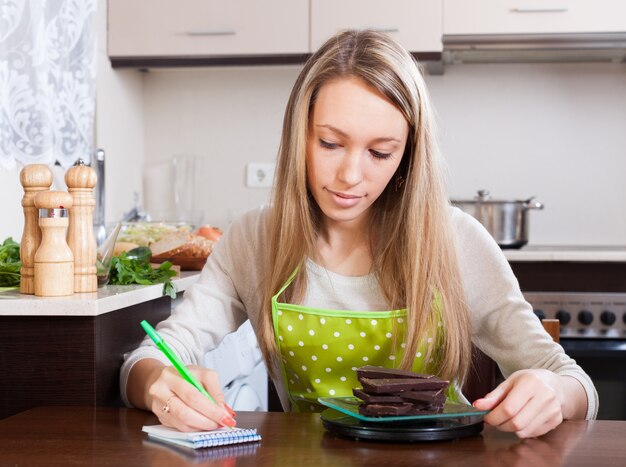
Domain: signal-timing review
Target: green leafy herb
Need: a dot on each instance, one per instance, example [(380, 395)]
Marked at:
[(10, 264), (126, 271)]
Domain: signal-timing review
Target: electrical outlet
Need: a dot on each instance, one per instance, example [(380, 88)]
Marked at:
[(259, 174)]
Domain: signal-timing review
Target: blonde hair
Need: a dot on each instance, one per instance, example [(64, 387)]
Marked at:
[(413, 248)]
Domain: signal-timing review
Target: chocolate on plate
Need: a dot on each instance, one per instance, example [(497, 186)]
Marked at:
[(391, 385), (385, 409), (370, 371), (376, 399), (438, 395), (391, 392)]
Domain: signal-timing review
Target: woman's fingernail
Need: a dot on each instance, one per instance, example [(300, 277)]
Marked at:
[(230, 411), (228, 421)]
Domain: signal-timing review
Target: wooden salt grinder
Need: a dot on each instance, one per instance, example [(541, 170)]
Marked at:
[(54, 262), (34, 178), (81, 180)]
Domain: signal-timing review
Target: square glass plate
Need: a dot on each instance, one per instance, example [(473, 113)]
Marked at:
[(350, 406)]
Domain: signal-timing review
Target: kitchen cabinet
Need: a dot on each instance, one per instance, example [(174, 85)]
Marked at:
[(212, 32), (416, 24), (477, 17), (69, 350), (205, 31)]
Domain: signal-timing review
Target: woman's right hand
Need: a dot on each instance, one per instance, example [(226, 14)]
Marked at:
[(180, 405)]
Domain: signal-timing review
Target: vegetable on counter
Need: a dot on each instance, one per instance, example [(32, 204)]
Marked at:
[(10, 264), (146, 233), (136, 269), (131, 267), (123, 246), (209, 232), (141, 253)]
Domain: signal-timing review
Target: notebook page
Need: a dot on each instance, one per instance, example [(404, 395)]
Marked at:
[(200, 439)]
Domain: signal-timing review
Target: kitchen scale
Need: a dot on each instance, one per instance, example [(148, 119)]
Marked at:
[(456, 421)]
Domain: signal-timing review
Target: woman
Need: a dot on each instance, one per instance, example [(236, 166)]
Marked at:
[(359, 260)]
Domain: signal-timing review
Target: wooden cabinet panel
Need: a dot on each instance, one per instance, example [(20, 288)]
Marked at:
[(205, 28), (69, 360), (416, 24), (533, 16)]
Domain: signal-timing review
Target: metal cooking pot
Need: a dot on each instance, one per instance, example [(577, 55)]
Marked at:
[(506, 220)]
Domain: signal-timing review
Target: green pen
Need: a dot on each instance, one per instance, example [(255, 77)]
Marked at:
[(171, 356)]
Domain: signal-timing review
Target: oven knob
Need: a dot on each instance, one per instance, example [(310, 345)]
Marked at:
[(585, 317), (563, 317), (607, 317), (540, 314)]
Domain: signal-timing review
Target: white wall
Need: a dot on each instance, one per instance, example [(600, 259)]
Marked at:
[(555, 131), (226, 116), (119, 127)]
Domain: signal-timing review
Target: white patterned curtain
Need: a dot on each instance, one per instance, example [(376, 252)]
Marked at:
[(47, 81)]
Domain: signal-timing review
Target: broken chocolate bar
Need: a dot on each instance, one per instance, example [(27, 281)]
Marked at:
[(394, 385), (388, 391), (426, 410), (376, 399), (375, 372), (423, 396), (385, 409)]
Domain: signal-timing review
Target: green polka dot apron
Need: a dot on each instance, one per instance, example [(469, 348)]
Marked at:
[(321, 349)]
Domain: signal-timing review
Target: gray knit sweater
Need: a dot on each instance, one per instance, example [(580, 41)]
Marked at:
[(228, 292)]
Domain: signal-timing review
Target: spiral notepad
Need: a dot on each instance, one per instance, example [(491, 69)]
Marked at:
[(202, 439)]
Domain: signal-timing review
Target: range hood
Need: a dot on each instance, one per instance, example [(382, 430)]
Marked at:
[(510, 48)]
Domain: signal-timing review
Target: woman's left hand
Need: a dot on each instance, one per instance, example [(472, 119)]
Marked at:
[(529, 403)]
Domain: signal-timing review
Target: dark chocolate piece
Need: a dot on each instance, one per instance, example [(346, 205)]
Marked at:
[(395, 385), (421, 405), (370, 371), (376, 399), (385, 409), (425, 410), (377, 410), (388, 391), (424, 396), (424, 404)]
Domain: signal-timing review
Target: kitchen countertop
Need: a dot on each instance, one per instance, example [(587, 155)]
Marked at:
[(114, 297), (106, 299), (568, 253)]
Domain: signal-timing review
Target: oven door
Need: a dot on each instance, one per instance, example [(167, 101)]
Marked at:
[(604, 360)]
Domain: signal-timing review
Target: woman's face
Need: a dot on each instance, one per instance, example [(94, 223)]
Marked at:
[(355, 143)]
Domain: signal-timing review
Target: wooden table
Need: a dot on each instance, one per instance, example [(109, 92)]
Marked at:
[(56, 436)]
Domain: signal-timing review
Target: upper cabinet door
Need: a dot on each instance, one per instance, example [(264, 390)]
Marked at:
[(416, 24), (533, 16), (205, 28)]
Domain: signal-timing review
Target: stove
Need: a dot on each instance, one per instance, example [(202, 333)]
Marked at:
[(585, 289), (592, 332), (590, 315)]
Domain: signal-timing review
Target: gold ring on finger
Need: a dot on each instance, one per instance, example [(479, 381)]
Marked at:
[(166, 407)]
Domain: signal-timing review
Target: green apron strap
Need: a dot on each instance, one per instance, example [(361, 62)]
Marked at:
[(285, 285), (275, 303)]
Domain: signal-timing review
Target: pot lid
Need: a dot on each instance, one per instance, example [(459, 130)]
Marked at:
[(484, 196)]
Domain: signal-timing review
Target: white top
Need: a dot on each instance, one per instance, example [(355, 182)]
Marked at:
[(228, 292), (106, 299)]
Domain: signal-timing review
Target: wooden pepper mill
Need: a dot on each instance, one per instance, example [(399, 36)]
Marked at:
[(54, 261), (34, 178), (81, 180)]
